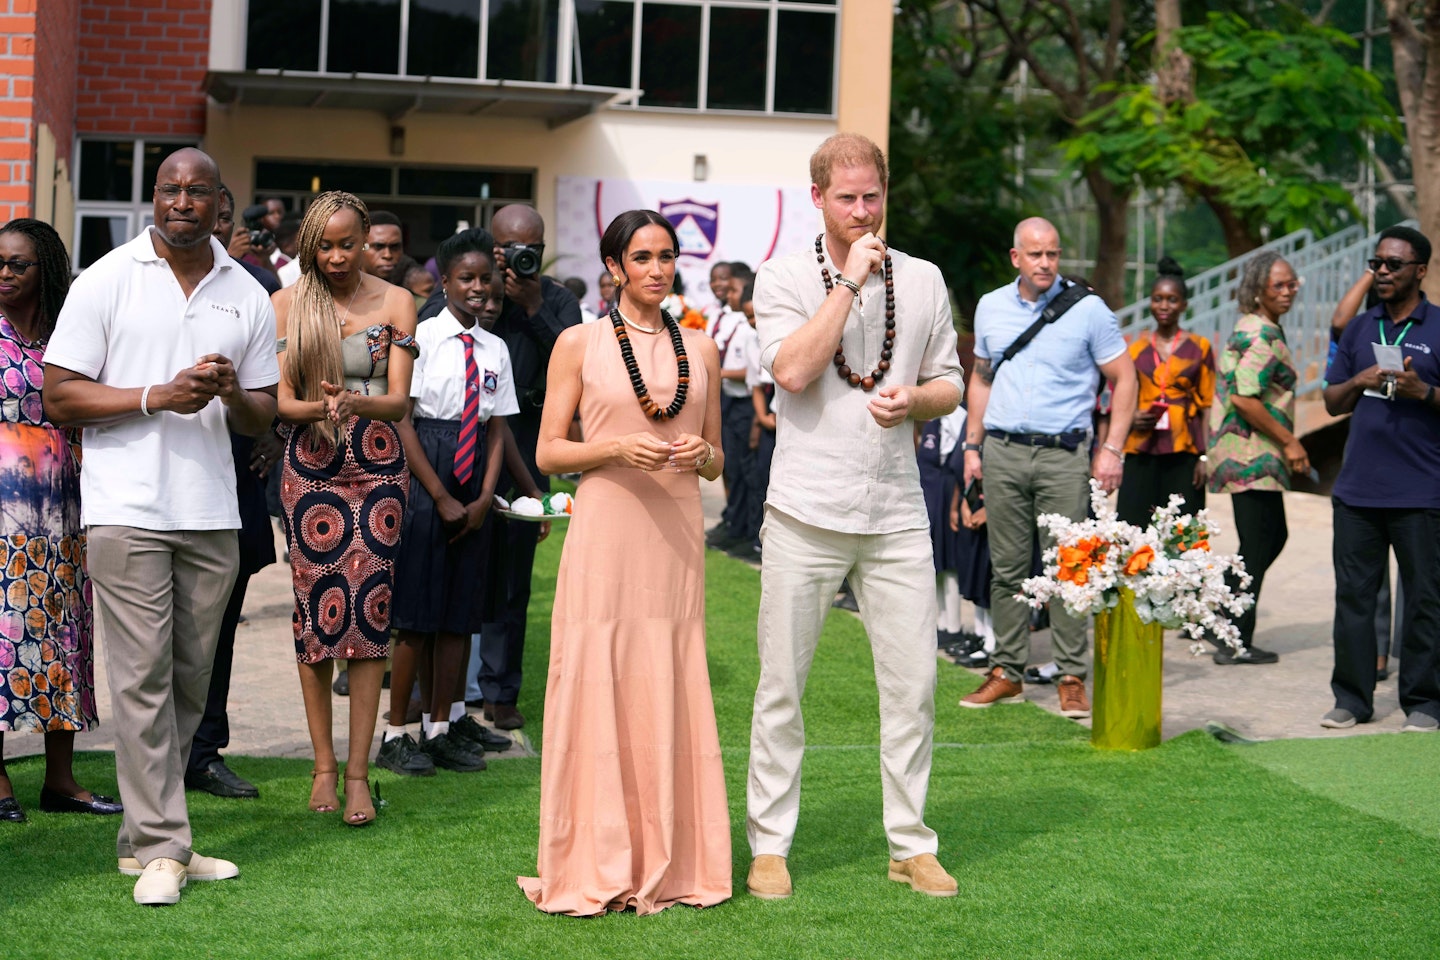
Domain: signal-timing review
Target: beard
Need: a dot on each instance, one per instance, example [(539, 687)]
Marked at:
[(846, 230)]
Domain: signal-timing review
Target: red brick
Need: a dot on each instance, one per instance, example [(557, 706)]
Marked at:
[(22, 46), (120, 14), (15, 150), (17, 67), (22, 6), (14, 129), (22, 88), (17, 108)]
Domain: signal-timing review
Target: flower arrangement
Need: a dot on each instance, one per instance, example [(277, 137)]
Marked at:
[(1178, 582), (684, 314)]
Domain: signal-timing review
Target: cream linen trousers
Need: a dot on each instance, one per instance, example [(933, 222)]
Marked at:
[(893, 577)]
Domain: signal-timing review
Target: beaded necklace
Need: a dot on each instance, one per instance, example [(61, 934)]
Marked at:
[(652, 409), (887, 350)]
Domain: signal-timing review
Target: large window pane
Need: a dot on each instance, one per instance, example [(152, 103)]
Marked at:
[(444, 38), (738, 38), (107, 169), (99, 234), (430, 182), (278, 176), (151, 156), (521, 44), (364, 36), (805, 64), (670, 55), (283, 34), (605, 36)]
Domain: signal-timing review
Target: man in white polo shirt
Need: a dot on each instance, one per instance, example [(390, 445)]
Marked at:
[(160, 344), (845, 500)]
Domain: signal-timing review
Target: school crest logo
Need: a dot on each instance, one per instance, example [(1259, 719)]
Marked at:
[(491, 381), (696, 224)]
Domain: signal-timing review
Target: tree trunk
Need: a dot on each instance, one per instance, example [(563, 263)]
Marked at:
[(1112, 206), (1417, 76), (1174, 73), (1238, 238)]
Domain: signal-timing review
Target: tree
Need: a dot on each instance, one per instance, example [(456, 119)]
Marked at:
[(1417, 77), (1252, 132)]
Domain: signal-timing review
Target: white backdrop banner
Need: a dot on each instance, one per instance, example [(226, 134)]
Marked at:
[(715, 222)]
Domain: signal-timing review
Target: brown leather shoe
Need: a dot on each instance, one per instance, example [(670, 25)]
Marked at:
[(506, 716), (925, 875), (995, 689), (769, 878), (1073, 702)]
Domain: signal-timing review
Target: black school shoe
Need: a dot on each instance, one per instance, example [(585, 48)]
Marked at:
[(452, 752), (1226, 656), (481, 736), (218, 779), (402, 755), (11, 811)]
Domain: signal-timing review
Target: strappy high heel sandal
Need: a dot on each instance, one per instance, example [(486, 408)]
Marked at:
[(359, 816), (323, 798)]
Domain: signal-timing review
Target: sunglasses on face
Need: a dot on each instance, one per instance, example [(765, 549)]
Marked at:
[(18, 267), (1392, 264)]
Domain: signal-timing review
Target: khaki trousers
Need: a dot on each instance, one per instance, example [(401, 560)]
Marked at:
[(159, 598), (893, 576), (1022, 482)]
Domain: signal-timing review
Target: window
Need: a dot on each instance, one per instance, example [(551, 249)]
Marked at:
[(756, 56), (114, 193)]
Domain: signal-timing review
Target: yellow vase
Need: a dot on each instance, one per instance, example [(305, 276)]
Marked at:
[(1128, 671)]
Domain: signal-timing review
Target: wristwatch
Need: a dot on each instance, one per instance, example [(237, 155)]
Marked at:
[(970, 446)]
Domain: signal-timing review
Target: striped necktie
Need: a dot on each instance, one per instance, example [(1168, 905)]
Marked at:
[(469, 416)]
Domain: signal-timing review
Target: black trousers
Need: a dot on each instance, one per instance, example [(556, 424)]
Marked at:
[(736, 416), (502, 643), (1150, 479), (1363, 538), (214, 732), (1260, 523)]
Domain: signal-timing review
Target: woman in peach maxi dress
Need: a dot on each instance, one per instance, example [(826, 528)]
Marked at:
[(633, 811)]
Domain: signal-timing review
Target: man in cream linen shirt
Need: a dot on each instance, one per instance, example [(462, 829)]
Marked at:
[(160, 345), (844, 501)]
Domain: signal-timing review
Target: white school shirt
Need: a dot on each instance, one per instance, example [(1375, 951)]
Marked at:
[(126, 323), (737, 349), (438, 383), (289, 273)]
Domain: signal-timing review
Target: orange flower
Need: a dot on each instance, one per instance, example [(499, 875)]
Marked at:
[(1139, 560)]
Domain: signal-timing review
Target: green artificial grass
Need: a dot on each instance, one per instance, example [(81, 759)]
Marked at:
[(1195, 849)]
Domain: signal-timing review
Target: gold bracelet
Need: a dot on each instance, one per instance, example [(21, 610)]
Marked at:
[(709, 456)]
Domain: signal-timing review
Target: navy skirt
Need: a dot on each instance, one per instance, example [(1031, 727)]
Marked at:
[(441, 586)]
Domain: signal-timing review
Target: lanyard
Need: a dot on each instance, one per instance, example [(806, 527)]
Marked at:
[(1162, 363), (1399, 338)]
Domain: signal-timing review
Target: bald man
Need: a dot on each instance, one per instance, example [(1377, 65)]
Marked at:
[(537, 309), (1029, 437), (161, 345)]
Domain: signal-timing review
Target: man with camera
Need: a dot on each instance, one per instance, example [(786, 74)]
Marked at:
[(1385, 371), (255, 244), (537, 310)]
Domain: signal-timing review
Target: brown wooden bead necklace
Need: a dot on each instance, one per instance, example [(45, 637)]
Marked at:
[(887, 351), (652, 409)]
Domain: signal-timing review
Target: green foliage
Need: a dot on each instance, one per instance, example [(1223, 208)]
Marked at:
[(1270, 108)]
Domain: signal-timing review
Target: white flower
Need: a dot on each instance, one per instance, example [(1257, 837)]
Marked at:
[(528, 507)]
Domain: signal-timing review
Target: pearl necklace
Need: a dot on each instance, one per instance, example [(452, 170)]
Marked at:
[(635, 326), (887, 350)]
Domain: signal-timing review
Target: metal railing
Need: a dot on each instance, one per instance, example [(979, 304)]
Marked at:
[(1327, 267)]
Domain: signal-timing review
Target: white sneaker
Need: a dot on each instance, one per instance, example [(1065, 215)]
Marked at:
[(201, 868), (160, 883)]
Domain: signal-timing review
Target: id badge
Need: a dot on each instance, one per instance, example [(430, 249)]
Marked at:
[(1162, 422), (1388, 356)]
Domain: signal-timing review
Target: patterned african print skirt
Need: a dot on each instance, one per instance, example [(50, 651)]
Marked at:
[(343, 510)]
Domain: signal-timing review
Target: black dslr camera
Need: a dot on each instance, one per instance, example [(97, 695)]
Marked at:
[(524, 258), (260, 238)]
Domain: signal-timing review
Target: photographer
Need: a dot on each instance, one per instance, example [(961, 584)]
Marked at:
[(256, 242), (537, 310)]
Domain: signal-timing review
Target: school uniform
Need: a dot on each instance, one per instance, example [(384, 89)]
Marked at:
[(737, 342), (440, 586)]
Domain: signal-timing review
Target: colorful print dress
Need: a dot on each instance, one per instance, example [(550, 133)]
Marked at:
[(1256, 363), (343, 508), (47, 679)]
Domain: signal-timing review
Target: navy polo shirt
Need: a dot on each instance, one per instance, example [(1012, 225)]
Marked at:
[(1392, 458)]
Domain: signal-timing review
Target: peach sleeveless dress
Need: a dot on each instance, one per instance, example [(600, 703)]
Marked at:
[(633, 811)]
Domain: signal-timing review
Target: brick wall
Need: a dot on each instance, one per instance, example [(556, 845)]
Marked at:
[(141, 66), (17, 112)]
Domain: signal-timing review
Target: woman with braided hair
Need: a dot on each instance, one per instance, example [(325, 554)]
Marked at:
[(347, 345), (47, 681)]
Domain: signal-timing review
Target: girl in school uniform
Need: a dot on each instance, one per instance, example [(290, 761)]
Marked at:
[(461, 392)]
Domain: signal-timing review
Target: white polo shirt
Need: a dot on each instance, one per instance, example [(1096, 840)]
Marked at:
[(438, 383), (126, 323)]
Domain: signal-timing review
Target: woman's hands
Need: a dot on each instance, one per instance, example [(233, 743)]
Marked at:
[(339, 403), (645, 451), (687, 452)]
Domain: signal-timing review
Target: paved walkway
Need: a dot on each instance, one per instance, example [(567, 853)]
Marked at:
[(1265, 702)]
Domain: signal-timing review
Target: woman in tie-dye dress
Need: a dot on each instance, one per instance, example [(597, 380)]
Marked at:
[(47, 682)]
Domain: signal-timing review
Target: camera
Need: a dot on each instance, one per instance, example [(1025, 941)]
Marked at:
[(524, 258), (260, 238)]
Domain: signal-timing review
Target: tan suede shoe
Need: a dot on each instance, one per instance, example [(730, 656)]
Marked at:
[(925, 875), (200, 868), (160, 883), (769, 878)]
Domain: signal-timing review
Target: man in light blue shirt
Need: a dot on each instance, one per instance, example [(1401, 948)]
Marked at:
[(1032, 416)]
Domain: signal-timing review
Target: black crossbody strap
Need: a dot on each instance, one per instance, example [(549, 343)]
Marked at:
[(1054, 310)]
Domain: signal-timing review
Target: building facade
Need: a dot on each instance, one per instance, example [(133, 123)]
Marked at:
[(439, 110)]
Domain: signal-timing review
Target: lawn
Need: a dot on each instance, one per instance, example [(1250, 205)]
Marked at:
[(1195, 849)]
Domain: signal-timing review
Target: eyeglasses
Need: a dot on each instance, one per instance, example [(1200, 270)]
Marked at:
[(1392, 264), (172, 191), (18, 267)]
